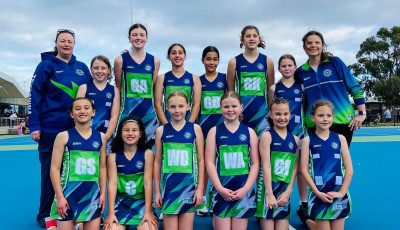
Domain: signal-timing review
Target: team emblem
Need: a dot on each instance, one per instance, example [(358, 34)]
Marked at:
[(187, 135), (186, 81), (260, 66), (296, 91), (327, 73), (290, 145), (147, 68), (335, 145), (139, 164), (108, 95), (220, 85), (243, 137), (79, 72), (96, 144)]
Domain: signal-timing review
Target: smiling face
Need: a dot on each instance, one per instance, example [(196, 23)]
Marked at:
[(100, 70), (177, 107), (65, 45), (130, 133), (280, 115), (231, 108), (251, 39), (138, 38), (177, 56), (313, 46), (211, 61), (287, 68), (82, 110), (323, 117)]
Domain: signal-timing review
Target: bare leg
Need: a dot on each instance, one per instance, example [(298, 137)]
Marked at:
[(266, 224), (337, 224), (239, 223), (281, 224), (65, 225), (186, 221), (323, 224), (222, 223), (92, 225), (170, 222)]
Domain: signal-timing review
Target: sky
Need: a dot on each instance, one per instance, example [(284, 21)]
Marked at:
[(28, 28)]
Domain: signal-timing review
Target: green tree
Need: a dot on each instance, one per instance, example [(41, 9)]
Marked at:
[(378, 61)]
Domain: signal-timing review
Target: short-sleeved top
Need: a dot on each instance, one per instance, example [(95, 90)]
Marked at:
[(102, 100), (293, 95)]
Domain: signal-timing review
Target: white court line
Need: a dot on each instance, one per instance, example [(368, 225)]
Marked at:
[(291, 228)]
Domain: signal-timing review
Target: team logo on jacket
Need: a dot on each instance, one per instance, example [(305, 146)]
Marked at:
[(327, 73), (220, 85), (96, 144), (335, 145), (186, 81), (79, 72), (290, 145), (147, 68), (187, 135), (260, 66), (296, 91), (109, 95), (139, 164), (243, 137)]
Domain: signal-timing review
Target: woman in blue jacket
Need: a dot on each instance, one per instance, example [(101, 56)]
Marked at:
[(54, 86)]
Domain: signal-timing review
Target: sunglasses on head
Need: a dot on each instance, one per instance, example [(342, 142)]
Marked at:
[(66, 31)]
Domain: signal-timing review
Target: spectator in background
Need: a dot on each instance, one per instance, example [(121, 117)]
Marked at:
[(378, 119), (388, 116), (13, 117)]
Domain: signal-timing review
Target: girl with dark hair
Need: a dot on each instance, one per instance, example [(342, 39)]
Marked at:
[(135, 74), (54, 86), (130, 178), (254, 74), (178, 79), (105, 96)]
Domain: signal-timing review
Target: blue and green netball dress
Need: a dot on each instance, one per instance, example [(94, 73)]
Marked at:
[(283, 158), (183, 84), (130, 201), (210, 110), (179, 177), (252, 88), (102, 100), (293, 95), (80, 177), (327, 171), (233, 166), (137, 92)]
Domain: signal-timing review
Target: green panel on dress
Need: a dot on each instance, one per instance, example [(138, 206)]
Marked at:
[(234, 160), (131, 186), (139, 85), (177, 157), (84, 166), (282, 165), (252, 84), (185, 89), (210, 102)]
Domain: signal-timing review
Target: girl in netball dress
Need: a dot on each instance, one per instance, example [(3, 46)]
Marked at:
[(130, 178), (253, 74), (278, 150), (178, 79), (178, 166), (135, 73), (80, 155), (104, 96), (232, 163), (327, 168)]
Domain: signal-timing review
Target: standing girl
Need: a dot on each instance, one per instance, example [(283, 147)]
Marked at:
[(232, 164), (103, 95), (135, 73), (178, 166), (80, 155), (331, 170), (252, 70), (178, 79), (213, 86), (279, 149), (54, 86), (130, 178)]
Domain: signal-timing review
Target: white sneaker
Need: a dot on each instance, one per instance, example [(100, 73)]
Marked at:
[(202, 212)]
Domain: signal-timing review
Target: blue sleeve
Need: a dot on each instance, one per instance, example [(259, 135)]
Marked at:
[(40, 78), (352, 85)]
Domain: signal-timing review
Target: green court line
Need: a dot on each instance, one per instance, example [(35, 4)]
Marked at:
[(376, 139), (10, 136), (18, 147)]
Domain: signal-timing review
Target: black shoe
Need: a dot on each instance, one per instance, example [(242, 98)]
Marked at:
[(303, 213), (42, 223)]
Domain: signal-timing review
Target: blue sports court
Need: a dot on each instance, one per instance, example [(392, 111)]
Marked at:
[(374, 190)]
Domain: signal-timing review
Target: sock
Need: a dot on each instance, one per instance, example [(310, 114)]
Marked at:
[(50, 223)]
